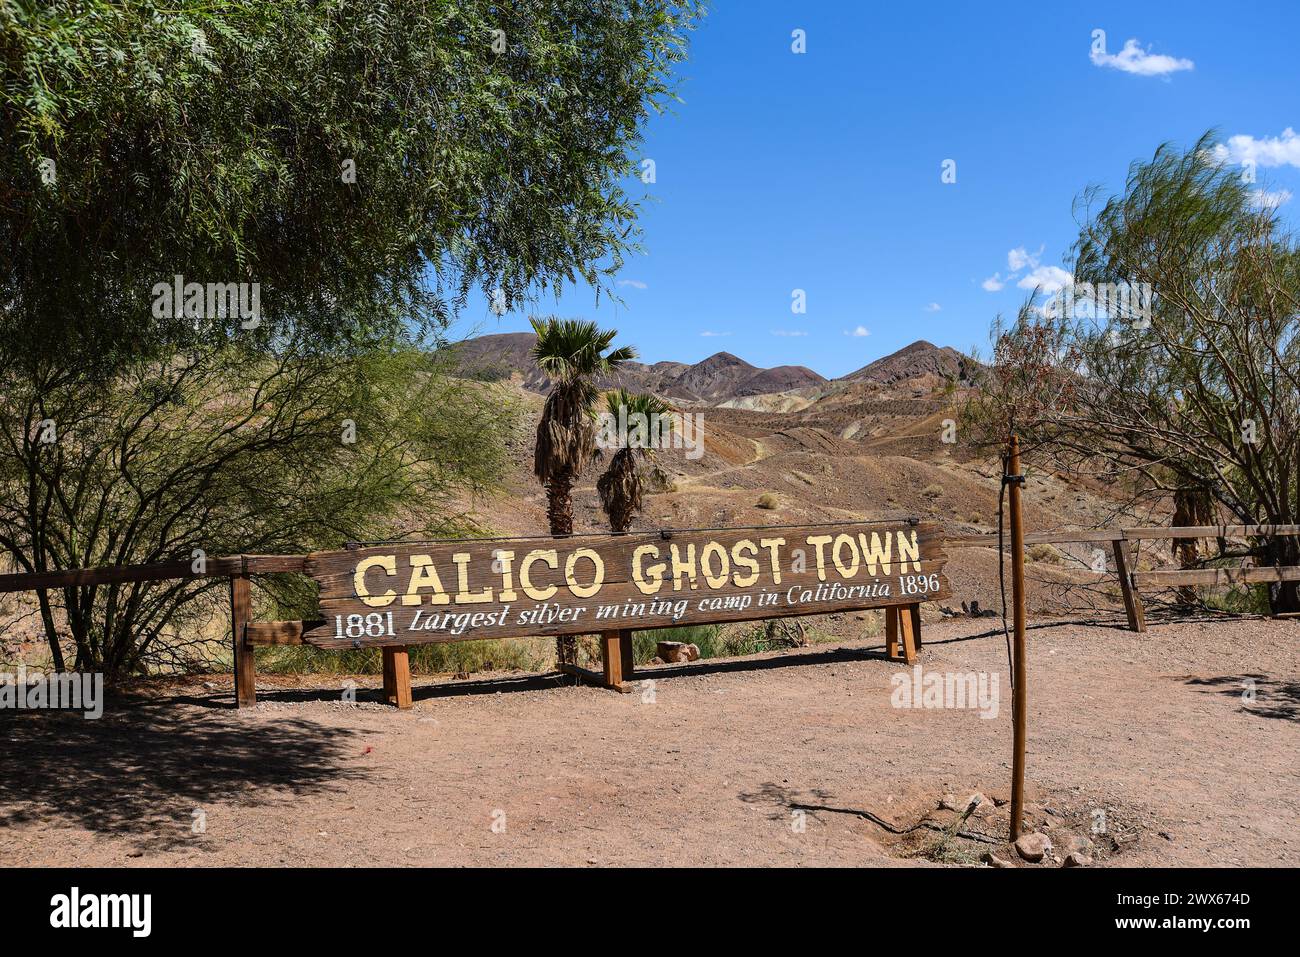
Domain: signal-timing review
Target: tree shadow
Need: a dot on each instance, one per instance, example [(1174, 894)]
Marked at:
[(1272, 698), (143, 770)]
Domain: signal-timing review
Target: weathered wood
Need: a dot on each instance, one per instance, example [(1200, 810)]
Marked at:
[(891, 633), (159, 571), (241, 609), (278, 632), (397, 677), (1132, 600), (1209, 531), (586, 584), (1218, 576), (909, 630), (611, 658), (1020, 689)]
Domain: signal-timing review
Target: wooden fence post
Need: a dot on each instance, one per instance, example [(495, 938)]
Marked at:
[(241, 606), (1125, 559), (1020, 690), (397, 676)]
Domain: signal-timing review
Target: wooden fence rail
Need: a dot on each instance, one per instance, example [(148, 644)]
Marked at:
[(1124, 542)]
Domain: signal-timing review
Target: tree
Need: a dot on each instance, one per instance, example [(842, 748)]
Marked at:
[(573, 355), (367, 163), (217, 452), (1177, 367), (622, 486)]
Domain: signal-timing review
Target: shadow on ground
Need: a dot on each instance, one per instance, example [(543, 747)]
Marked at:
[(1272, 698), (143, 771)]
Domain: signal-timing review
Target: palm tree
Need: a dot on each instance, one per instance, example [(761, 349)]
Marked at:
[(573, 355), (622, 486)]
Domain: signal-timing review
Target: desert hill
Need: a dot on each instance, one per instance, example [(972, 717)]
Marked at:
[(868, 446), (720, 377)]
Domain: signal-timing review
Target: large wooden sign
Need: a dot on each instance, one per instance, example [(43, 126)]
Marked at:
[(407, 594)]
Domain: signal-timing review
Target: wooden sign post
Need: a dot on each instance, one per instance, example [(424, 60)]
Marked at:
[(1020, 684), (397, 595)]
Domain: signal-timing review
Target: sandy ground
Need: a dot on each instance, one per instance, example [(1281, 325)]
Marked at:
[(709, 769)]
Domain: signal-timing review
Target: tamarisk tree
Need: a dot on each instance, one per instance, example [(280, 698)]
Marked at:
[(1173, 362)]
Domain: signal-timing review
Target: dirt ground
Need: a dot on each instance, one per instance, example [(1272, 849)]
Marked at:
[(714, 763)]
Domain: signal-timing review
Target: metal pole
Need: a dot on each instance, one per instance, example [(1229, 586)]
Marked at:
[(1020, 691)]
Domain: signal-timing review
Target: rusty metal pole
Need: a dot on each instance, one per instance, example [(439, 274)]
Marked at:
[(1020, 691)]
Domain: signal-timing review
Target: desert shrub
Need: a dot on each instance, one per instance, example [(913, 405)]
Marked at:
[(767, 500), (932, 491), (1046, 554), (224, 451)]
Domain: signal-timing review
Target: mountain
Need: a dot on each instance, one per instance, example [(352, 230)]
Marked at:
[(922, 362), (720, 377)]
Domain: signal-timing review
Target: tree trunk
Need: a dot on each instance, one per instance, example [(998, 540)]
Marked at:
[(1191, 507), (1284, 597), (559, 503), (559, 512), (51, 635)]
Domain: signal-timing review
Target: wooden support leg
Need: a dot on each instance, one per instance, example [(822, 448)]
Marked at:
[(891, 632), (909, 627), (611, 658), (1125, 558), (397, 676), (241, 608), (625, 651)]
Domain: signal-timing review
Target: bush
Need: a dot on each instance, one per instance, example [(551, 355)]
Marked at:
[(767, 500)]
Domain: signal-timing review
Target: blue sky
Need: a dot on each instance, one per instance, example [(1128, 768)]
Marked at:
[(821, 171)]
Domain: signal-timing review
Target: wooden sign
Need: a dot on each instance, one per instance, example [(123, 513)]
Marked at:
[(409, 594)]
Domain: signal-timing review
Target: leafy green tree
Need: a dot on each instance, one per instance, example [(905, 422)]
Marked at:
[(367, 163), (1189, 383), (622, 486)]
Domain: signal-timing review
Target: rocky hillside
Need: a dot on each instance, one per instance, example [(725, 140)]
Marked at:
[(720, 377)]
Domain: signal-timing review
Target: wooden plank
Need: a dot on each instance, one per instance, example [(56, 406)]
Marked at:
[(277, 632), (1210, 531), (891, 633), (397, 677), (1060, 536), (611, 658), (241, 607), (909, 629), (1218, 576), (1132, 600), (414, 594), (159, 571)]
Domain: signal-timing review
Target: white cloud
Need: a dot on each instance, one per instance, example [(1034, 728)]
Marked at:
[(634, 283), (1048, 279), (709, 333), (994, 283), (788, 332), (1019, 258), (1264, 199), (858, 332), (1133, 59), (1281, 150), (933, 307)]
